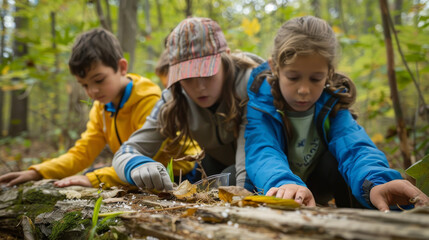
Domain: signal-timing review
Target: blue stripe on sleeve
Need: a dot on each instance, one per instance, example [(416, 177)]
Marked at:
[(133, 163)]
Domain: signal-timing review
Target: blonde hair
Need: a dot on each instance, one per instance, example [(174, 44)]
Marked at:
[(174, 114), (304, 36)]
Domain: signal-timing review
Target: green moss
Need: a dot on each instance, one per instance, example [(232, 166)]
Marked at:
[(102, 228), (34, 202), (69, 221), (31, 210), (36, 196)]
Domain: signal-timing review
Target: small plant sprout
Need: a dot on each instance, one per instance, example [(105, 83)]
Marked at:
[(170, 170)]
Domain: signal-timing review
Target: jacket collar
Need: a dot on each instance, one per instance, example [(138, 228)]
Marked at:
[(111, 108)]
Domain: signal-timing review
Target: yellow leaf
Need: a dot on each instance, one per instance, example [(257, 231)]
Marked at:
[(251, 27), (227, 192), (185, 190), (189, 212), (273, 201), (5, 70), (377, 138), (337, 29)]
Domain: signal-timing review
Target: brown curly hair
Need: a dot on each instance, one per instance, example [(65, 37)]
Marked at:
[(303, 36)]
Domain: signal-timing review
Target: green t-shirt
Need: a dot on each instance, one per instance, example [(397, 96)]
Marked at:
[(305, 147)]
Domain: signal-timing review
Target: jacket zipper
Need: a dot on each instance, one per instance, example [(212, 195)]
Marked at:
[(281, 123)]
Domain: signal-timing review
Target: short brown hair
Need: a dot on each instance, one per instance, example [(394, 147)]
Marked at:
[(161, 68), (94, 46)]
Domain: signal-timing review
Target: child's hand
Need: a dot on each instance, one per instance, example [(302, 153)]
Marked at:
[(15, 178), (399, 192), (77, 180), (152, 175), (300, 194)]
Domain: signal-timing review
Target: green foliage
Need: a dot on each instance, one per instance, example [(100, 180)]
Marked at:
[(43, 72), (170, 170), (420, 172), (68, 222), (95, 213)]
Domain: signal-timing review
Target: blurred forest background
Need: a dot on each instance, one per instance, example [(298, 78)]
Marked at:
[(43, 109)]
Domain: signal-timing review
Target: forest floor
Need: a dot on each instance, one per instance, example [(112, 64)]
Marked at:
[(38, 210), (18, 157)]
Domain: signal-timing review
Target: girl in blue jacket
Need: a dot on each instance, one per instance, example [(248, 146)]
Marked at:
[(302, 141)]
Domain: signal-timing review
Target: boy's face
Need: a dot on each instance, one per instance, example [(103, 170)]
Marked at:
[(101, 83)]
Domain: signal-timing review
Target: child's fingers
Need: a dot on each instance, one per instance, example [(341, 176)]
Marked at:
[(272, 191), (289, 193), (7, 177), (280, 193), (17, 180)]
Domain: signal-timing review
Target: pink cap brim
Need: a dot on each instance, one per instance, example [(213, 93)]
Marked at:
[(198, 67)]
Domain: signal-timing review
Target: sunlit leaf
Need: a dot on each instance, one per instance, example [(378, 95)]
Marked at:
[(377, 138), (185, 190), (420, 172), (226, 193), (269, 200), (251, 27), (189, 212), (170, 170), (337, 29)]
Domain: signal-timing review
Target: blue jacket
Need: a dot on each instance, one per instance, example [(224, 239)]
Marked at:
[(359, 161)]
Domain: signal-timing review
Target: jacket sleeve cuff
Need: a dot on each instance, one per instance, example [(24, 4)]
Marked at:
[(95, 182), (38, 168), (134, 163), (366, 187)]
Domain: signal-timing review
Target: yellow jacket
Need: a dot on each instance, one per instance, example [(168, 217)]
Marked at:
[(100, 130)]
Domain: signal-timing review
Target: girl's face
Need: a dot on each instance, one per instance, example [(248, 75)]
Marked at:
[(302, 82), (204, 91)]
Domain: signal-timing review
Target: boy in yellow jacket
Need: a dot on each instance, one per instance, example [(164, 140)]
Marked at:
[(122, 103)]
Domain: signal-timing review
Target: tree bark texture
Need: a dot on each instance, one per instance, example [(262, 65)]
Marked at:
[(394, 95), (105, 22), (369, 16), (316, 8), (188, 9), (127, 28), (49, 209), (397, 19), (19, 101)]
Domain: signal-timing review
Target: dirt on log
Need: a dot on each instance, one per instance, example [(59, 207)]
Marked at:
[(38, 210)]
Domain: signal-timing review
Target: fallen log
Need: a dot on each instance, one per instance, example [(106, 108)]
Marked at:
[(40, 211)]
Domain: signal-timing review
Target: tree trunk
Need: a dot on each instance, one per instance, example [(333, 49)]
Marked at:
[(105, 22), (77, 114), (19, 101), (159, 13), (188, 9), (339, 6), (316, 8), (368, 22), (3, 32), (398, 10), (55, 110), (109, 18), (1, 113), (151, 55), (2, 63), (127, 28), (400, 123), (66, 213)]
